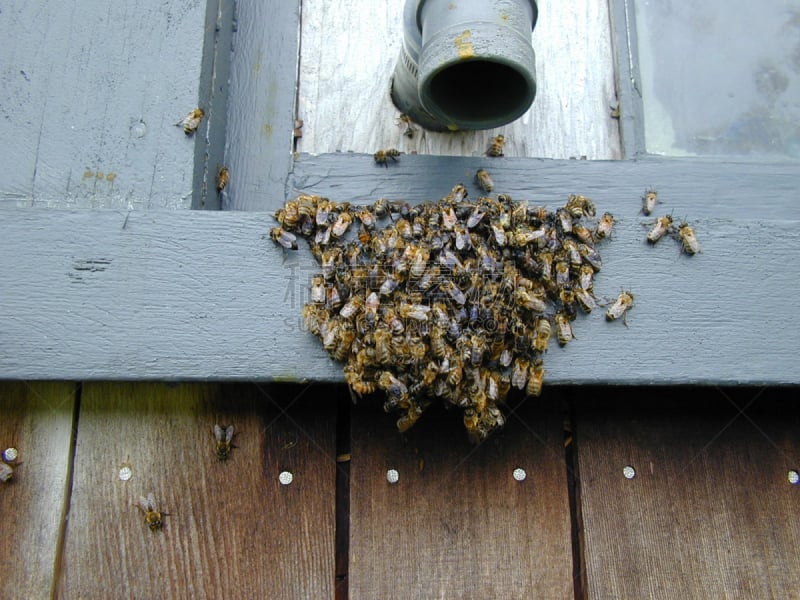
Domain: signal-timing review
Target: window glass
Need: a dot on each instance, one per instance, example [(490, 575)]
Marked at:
[(720, 77)]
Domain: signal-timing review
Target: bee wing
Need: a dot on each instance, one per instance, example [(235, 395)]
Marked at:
[(144, 503), (229, 433)]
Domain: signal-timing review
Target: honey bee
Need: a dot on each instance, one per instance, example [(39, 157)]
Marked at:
[(405, 121), (484, 180), (458, 194), (418, 312), (535, 378), (6, 472), (381, 207), (585, 299), (563, 328), (542, 332), (152, 516), (586, 278), (686, 235), (223, 178), (519, 372), (223, 439), (284, 238), (191, 122), (620, 308), (604, 226), (496, 146), (662, 226), (382, 157), (579, 206), (453, 291), (583, 233), (649, 201)]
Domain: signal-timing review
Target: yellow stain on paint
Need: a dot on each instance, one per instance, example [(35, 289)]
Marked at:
[(464, 46), (87, 174), (452, 127), (268, 130), (99, 175), (110, 177)]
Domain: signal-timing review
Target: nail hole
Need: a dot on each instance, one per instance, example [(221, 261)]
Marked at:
[(392, 476), (629, 472)]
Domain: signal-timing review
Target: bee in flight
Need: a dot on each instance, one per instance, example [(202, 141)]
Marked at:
[(223, 437), (191, 122), (382, 157), (405, 121), (496, 146), (152, 516)]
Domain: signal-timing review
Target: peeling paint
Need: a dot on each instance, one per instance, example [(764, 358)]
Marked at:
[(464, 45)]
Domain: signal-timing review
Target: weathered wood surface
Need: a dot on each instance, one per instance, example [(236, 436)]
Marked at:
[(457, 524), (233, 530), (261, 103), (36, 419), (710, 512), (90, 103), (194, 295), (349, 52)]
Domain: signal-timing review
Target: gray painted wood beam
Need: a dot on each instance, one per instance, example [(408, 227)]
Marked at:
[(197, 295)]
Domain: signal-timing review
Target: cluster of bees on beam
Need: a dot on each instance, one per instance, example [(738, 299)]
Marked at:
[(453, 300)]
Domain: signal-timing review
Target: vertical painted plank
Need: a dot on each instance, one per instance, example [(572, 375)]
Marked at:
[(233, 529), (261, 106), (349, 51), (709, 513), (36, 419), (457, 524)]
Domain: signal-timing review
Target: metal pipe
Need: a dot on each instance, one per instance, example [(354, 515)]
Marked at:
[(466, 64)]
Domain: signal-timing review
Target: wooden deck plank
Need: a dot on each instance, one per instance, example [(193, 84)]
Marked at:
[(457, 524), (349, 54), (233, 529), (36, 419), (709, 513)]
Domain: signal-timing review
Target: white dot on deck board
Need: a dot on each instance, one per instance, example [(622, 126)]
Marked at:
[(793, 477), (520, 474), (392, 476), (125, 473), (629, 472), (10, 454), (285, 477)]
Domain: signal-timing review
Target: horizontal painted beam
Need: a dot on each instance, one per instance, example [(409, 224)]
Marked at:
[(194, 295)]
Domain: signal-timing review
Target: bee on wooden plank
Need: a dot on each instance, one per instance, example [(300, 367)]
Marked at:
[(6, 472), (152, 516), (688, 239), (223, 178), (662, 227), (484, 180), (649, 201), (405, 121), (382, 157), (620, 308), (535, 378), (604, 226), (563, 328), (191, 122), (496, 146), (285, 239), (222, 438)]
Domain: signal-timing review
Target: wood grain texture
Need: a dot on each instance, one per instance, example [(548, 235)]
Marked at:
[(710, 513), (457, 524), (233, 530), (182, 295), (261, 102), (36, 419), (90, 102), (349, 54)]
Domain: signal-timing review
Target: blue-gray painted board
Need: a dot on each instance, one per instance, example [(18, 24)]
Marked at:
[(199, 295), (263, 87), (91, 91)]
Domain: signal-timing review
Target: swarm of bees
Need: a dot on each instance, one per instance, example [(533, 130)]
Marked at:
[(450, 300)]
